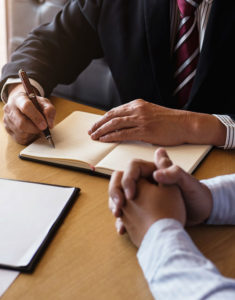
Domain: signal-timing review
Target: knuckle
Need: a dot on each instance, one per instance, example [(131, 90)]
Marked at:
[(25, 106), (112, 122), (124, 119), (139, 104), (49, 110), (165, 161), (138, 101), (45, 102), (135, 162), (6, 108), (21, 125), (5, 121), (176, 169), (109, 113)]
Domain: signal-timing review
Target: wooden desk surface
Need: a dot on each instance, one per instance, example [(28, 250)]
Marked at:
[(87, 259)]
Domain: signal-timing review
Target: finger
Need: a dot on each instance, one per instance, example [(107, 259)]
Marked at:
[(20, 128), (130, 134), (120, 111), (20, 137), (23, 138), (7, 124), (27, 108), (9, 130), (113, 125), (135, 170), (120, 226), (162, 159), (116, 195), (48, 109), (173, 175), (18, 122), (116, 209)]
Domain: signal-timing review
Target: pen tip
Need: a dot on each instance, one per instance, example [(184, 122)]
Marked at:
[(51, 142)]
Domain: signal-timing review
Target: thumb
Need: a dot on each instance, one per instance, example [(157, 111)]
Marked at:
[(171, 175), (176, 175), (161, 159)]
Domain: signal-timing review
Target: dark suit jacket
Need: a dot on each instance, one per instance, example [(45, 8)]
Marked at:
[(133, 36)]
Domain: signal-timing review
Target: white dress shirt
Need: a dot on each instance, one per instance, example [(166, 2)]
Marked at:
[(203, 13), (173, 266)]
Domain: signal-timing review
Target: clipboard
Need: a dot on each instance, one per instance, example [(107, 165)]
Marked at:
[(30, 215)]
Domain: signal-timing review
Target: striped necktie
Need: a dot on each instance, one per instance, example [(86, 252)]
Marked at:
[(186, 50)]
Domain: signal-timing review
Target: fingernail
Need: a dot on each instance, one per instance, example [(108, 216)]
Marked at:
[(93, 136), (118, 225), (115, 200), (51, 123), (128, 193)]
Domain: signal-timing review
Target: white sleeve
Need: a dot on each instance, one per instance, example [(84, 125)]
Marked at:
[(223, 194), (4, 94), (175, 269), (230, 127)]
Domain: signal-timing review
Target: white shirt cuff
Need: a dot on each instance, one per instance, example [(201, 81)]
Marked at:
[(230, 126), (34, 83), (223, 190)]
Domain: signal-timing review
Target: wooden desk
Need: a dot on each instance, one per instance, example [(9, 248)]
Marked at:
[(87, 259)]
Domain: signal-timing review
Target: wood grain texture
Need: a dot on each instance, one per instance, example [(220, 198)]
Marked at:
[(87, 259)]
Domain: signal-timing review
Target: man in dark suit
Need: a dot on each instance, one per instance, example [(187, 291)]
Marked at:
[(136, 38)]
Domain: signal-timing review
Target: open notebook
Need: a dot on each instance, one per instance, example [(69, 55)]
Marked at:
[(75, 148), (30, 214)]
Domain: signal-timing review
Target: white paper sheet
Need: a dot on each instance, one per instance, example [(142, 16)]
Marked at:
[(27, 212), (6, 279)]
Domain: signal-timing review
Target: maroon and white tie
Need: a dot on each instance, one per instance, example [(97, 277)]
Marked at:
[(186, 50)]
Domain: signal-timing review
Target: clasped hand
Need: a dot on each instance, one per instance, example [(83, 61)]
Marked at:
[(137, 201)]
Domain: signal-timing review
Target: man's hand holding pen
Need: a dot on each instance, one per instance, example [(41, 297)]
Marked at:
[(22, 119)]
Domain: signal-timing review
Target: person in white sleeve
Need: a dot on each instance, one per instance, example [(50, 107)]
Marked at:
[(154, 216)]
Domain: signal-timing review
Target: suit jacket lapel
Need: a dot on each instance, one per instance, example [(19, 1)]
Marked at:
[(157, 22)]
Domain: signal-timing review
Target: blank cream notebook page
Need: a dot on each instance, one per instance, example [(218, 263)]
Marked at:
[(72, 142), (185, 156), (74, 147)]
